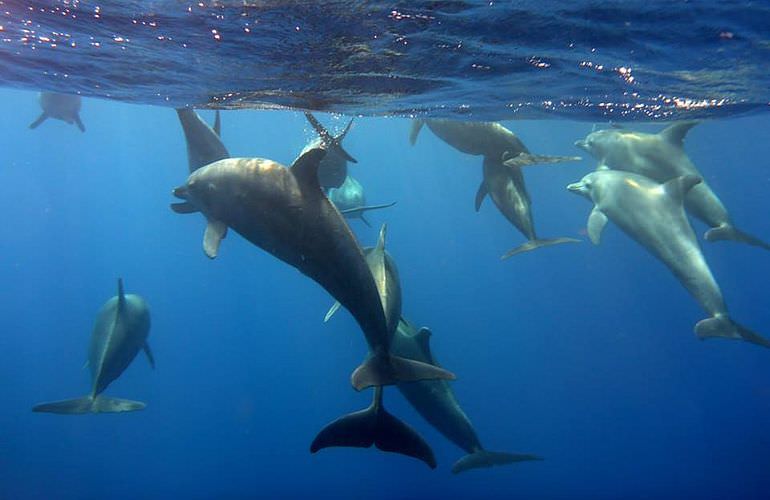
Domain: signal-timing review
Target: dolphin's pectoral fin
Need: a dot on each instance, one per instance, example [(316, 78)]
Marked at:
[(305, 169), (332, 310), (79, 123), (481, 193), (422, 337), (678, 187), (484, 458), (596, 222), (374, 426), (364, 220), (386, 369), (148, 353), (676, 132), (40, 119), (184, 208), (415, 130), (217, 124), (215, 233)]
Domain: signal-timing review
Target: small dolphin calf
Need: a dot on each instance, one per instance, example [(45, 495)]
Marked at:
[(60, 106), (120, 331), (653, 215), (661, 157), (436, 402), (334, 166), (204, 145), (504, 155), (350, 200)]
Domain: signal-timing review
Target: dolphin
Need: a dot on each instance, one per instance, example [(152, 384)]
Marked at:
[(285, 212), (120, 331), (661, 157), (488, 139), (204, 145), (334, 166), (653, 214), (63, 107), (375, 425), (350, 200), (436, 402)]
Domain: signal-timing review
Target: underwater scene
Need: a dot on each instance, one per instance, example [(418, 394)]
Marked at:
[(383, 250)]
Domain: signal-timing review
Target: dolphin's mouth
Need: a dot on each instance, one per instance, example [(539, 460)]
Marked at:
[(180, 192), (576, 187), (582, 145)]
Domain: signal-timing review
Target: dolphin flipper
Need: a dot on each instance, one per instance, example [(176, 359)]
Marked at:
[(40, 119), (730, 232), (484, 458), (215, 233), (332, 310), (535, 244), (374, 426), (88, 404), (148, 353), (481, 194), (415, 131), (79, 123), (596, 222)]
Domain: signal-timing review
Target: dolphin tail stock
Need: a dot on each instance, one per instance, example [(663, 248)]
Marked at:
[(374, 426), (40, 119), (328, 140), (415, 131), (726, 328), (386, 369), (730, 232), (526, 159), (483, 458), (537, 243), (89, 404)]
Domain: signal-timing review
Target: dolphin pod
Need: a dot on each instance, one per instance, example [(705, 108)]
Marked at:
[(120, 331), (661, 157), (504, 155), (653, 215), (62, 107)]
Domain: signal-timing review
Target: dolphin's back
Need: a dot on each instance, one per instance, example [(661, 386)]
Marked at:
[(477, 138)]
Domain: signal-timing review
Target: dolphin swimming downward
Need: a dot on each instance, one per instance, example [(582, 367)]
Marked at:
[(653, 215), (204, 144)]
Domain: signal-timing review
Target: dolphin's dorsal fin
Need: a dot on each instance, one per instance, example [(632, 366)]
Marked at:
[(217, 124), (381, 240), (415, 130), (422, 338), (481, 194), (676, 132), (679, 186), (149, 355), (596, 222), (305, 168), (216, 231), (121, 295)]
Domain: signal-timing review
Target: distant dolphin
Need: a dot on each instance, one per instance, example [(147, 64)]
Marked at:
[(661, 157), (377, 426), (334, 166), (285, 212), (204, 145), (504, 155), (60, 106), (653, 215), (350, 200), (120, 331), (436, 402)]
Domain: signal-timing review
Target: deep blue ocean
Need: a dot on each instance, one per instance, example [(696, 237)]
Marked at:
[(581, 354)]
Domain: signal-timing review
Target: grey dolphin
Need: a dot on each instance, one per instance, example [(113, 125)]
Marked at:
[(285, 212), (204, 145), (504, 155), (334, 166), (350, 200), (661, 157), (375, 425), (120, 331), (436, 402), (63, 107), (653, 215)]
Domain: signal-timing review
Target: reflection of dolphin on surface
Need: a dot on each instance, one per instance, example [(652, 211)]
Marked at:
[(350, 200), (436, 402), (653, 215), (504, 155), (119, 333), (334, 166), (375, 425), (285, 212), (204, 144), (661, 157), (63, 107)]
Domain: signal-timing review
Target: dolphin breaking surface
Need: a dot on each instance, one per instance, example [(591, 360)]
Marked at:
[(481, 60)]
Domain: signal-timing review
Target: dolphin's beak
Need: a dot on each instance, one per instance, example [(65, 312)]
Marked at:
[(582, 145), (577, 187), (181, 192)]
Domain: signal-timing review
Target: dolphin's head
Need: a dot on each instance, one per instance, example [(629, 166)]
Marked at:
[(600, 142), (349, 195), (196, 192), (585, 187)]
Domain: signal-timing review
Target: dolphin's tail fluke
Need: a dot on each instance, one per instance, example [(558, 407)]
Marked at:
[(415, 131), (727, 328), (374, 426), (386, 369), (88, 404), (483, 458), (730, 232), (535, 244)]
